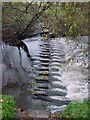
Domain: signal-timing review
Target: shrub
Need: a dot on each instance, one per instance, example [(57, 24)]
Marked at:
[(77, 110), (7, 106)]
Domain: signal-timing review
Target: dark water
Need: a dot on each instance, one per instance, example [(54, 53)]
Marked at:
[(30, 74)]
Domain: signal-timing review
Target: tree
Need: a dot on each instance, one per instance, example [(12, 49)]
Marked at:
[(21, 17), (64, 19)]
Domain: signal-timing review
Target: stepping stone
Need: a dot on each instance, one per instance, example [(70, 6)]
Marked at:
[(39, 92), (44, 56), (40, 67), (57, 84), (55, 64), (54, 69), (45, 64), (56, 50), (51, 78), (41, 80), (44, 53), (44, 60), (35, 65), (43, 69), (42, 63), (43, 85), (41, 55), (46, 67), (58, 102), (43, 72), (57, 91), (41, 45), (59, 98), (56, 108), (55, 74), (32, 59), (36, 62), (59, 61), (46, 74), (54, 100), (41, 77), (39, 89), (57, 54), (45, 47)]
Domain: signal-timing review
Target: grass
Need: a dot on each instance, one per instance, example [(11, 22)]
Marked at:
[(77, 110), (7, 107)]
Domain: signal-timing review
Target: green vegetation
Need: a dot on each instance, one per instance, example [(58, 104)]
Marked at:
[(78, 110), (63, 19), (7, 107), (68, 19)]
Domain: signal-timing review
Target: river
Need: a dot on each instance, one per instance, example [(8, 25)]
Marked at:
[(31, 72)]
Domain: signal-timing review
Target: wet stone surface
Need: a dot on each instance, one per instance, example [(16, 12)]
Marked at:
[(34, 67)]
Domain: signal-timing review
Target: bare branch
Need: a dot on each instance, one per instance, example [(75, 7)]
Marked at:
[(35, 17)]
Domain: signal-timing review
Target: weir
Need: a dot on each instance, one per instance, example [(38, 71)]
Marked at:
[(30, 73)]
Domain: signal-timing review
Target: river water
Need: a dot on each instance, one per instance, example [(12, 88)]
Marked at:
[(29, 73)]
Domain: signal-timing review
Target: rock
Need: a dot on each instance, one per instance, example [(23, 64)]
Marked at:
[(55, 78), (39, 92), (54, 69), (45, 56), (51, 35), (57, 92), (54, 109), (44, 53), (59, 98), (57, 84), (45, 64), (55, 64), (23, 100), (43, 69), (45, 72), (54, 74), (41, 78), (39, 114), (43, 86), (24, 115)]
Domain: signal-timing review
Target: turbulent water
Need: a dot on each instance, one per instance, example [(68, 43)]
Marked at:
[(32, 74), (29, 74)]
